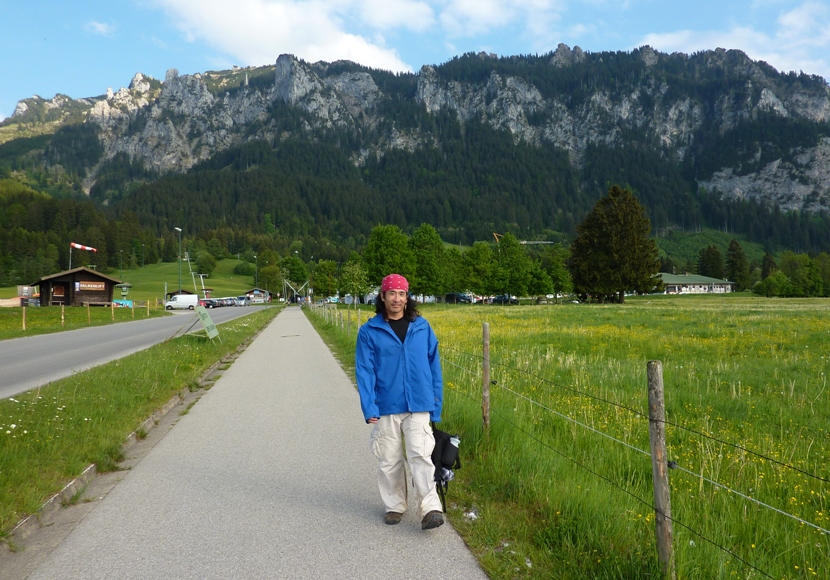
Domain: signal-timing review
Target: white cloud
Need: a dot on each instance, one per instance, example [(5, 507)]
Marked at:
[(798, 43), (257, 31), (100, 28), (807, 25)]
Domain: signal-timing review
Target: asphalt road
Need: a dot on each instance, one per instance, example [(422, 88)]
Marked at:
[(30, 362), (269, 476)]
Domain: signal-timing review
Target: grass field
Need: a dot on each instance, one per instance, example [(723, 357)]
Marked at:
[(561, 483), (49, 435)]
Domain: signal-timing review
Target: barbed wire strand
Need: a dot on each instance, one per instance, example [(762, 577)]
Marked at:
[(674, 465), (627, 492), (745, 450), (670, 423), (571, 419), (671, 464), (575, 391)]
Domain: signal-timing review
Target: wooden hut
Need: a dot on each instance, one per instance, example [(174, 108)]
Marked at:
[(76, 287)]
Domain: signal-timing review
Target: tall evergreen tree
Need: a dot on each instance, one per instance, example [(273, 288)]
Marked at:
[(612, 253), (768, 266), (710, 262), (737, 265)]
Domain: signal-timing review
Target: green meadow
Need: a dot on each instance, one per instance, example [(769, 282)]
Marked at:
[(560, 485)]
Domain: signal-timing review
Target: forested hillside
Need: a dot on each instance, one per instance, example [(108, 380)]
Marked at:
[(315, 155)]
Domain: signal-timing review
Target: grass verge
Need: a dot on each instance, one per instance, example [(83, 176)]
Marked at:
[(49, 435), (48, 319)]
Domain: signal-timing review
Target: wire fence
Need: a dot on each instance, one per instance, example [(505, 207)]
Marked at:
[(472, 370), (469, 364)]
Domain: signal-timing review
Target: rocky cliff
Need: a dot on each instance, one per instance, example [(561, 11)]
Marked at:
[(683, 106)]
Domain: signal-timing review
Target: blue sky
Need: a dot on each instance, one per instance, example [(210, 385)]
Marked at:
[(82, 48)]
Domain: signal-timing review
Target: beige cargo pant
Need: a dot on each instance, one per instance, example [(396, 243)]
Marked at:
[(389, 436)]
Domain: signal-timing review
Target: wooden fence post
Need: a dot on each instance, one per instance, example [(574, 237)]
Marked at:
[(485, 373), (63, 319), (24, 318), (88, 315), (348, 323), (659, 468), (148, 308), (132, 307), (112, 310)]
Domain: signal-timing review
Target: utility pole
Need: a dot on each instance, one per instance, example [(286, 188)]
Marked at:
[(180, 258)]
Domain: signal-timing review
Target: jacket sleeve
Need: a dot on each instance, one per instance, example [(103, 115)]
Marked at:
[(365, 373), (437, 380)]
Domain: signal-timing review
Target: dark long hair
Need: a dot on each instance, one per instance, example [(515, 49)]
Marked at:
[(410, 312)]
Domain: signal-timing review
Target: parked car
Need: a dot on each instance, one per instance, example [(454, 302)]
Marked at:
[(241, 301), (505, 299), (457, 298)]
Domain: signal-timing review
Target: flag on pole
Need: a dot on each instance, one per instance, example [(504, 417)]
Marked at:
[(80, 247)]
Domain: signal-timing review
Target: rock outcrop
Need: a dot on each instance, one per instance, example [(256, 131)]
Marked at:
[(169, 126)]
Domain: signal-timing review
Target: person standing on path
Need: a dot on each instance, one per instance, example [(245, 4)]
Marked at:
[(401, 390)]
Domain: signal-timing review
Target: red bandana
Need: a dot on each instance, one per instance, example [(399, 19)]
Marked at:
[(394, 282)]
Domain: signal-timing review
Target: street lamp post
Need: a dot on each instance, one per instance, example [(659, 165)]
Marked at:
[(256, 271), (142, 255), (180, 258)]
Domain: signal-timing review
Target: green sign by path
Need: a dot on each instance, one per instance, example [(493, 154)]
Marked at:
[(210, 328)]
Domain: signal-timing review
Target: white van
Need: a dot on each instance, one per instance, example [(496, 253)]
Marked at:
[(182, 301)]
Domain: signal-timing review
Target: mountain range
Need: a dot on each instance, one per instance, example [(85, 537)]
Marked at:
[(475, 145)]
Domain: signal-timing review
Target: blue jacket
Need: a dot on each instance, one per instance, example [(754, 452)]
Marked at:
[(395, 377)]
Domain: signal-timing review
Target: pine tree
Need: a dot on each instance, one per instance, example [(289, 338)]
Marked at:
[(710, 262), (612, 253), (768, 266), (737, 265)]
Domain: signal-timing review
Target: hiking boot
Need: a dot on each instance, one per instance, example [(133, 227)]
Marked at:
[(392, 518), (432, 520)]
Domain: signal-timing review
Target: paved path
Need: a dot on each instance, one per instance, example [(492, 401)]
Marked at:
[(268, 476)]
